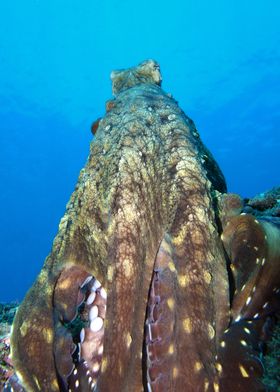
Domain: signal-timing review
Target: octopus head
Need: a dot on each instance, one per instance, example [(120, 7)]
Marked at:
[(147, 72)]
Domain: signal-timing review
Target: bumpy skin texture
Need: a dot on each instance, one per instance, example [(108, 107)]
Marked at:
[(143, 220), (252, 243)]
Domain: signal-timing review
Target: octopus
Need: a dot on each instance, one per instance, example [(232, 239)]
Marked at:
[(156, 281)]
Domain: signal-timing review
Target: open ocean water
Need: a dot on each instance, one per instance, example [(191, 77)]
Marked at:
[(219, 59)]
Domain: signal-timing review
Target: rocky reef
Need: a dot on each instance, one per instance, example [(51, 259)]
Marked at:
[(264, 204), (7, 313)]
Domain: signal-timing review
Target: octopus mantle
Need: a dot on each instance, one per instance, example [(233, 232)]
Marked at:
[(137, 293)]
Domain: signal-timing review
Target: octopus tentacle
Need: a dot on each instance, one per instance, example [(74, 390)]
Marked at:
[(34, 338), (202, 310), (160, 322), (78, 355), (132, 253), (253, 247), (238, 360)]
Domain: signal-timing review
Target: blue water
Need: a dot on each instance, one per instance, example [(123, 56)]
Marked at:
[(220, 60)]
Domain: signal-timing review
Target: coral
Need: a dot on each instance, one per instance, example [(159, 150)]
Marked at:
[(267, 203), (7, 313), (272, 361)]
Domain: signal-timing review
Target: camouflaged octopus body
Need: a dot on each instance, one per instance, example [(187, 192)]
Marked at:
[(142, 224)]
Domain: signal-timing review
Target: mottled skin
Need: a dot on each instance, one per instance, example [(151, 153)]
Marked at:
[(146, 178), (143, 220), (252, 244)]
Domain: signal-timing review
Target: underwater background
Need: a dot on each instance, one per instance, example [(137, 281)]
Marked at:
[(219, 59)]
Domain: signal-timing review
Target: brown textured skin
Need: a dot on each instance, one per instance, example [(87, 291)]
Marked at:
[(148, 176), (253, 247), (238, 362), (230, 205)]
